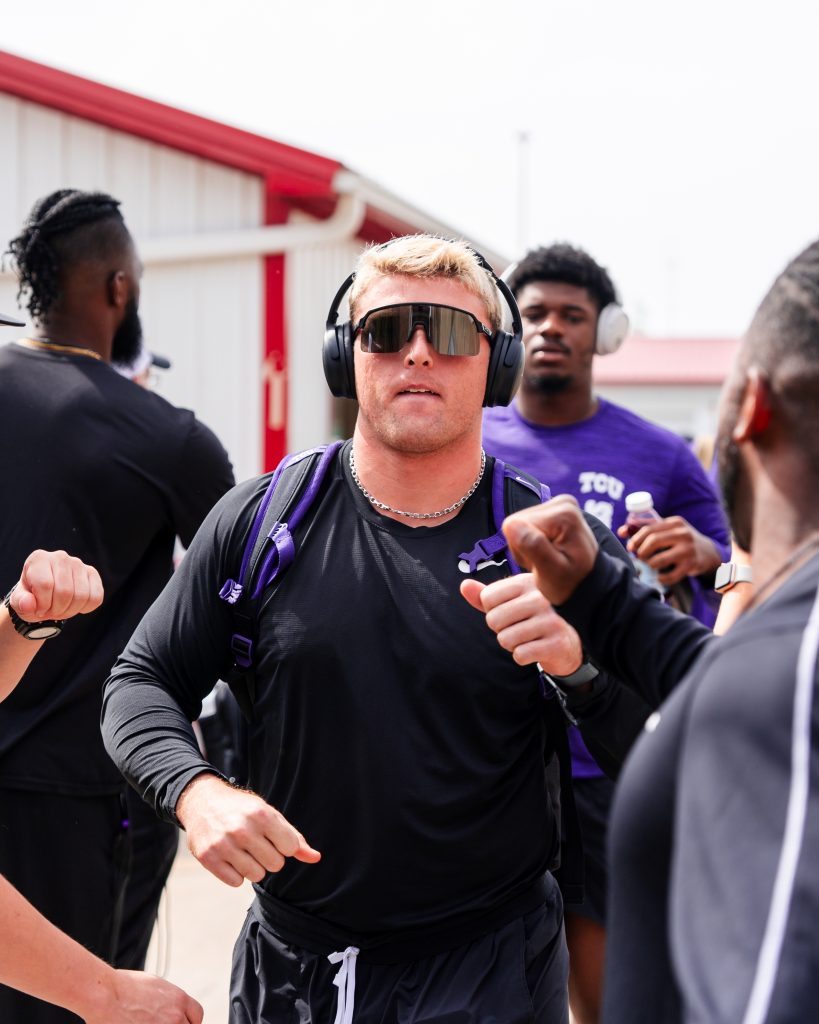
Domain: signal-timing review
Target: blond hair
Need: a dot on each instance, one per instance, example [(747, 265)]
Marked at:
[(427, 256)]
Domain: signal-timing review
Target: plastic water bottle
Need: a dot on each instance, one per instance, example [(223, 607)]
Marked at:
[(640, 509)]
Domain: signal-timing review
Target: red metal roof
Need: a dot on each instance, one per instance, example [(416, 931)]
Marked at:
[(295, 176), (288, 171), (668, 361)]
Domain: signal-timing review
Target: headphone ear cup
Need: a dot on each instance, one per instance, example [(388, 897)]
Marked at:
[(505, 369), (612, 328), (337, 359)]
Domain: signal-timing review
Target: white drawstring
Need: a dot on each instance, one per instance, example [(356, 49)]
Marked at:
[(345, 982)]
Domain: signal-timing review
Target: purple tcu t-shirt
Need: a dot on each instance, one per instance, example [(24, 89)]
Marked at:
[(602, 459)]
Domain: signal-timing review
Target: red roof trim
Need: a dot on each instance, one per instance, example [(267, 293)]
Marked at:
[(287, 170)]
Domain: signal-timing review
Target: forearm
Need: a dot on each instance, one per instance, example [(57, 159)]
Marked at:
[(37, 958), (150, 739), (16, 654), (630, 633)]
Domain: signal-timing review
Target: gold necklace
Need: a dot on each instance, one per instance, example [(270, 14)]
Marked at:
[(50, 346)]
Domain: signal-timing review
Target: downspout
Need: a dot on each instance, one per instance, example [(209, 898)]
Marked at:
[(343, 223)]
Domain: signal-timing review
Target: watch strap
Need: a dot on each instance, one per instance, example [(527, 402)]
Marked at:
[(729, 574), (585, 674), (42, 630)]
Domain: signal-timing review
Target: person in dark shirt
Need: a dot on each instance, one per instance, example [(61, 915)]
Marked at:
[(36, 957), (399, 831), (98, 466), (716, 820)]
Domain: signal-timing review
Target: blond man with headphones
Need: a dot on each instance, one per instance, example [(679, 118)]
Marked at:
[(398, 829)]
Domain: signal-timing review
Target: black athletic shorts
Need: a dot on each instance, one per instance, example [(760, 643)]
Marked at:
[(517, 975), (593, 798)]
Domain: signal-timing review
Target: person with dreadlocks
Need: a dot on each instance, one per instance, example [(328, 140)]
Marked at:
[(113, 473)]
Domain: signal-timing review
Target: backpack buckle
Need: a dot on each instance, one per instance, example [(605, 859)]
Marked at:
[(484, 550), (231, 591), (242, 649)]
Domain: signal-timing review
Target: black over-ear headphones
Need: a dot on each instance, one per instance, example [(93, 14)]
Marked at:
[(505, 360)]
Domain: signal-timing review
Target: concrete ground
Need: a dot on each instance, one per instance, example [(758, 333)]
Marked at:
[(199, 919)]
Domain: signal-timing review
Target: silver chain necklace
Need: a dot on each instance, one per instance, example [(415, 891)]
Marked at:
[(417, 515)]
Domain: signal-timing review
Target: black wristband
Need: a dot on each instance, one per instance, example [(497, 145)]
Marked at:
[(585, 674)]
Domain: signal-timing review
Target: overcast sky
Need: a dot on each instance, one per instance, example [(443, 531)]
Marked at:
[(677, 143)]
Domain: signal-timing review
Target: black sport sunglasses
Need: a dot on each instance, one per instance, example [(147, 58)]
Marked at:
[(450, 331)]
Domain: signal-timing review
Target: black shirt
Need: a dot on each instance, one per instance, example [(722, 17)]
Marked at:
[(100, 467), (715, 827), (393, 730)]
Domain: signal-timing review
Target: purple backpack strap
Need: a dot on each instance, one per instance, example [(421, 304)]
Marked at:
[(281, 555), (272, 548), (486, 549)]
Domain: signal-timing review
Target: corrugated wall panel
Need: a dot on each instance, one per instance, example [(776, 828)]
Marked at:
[(207, 318), (314, 274)]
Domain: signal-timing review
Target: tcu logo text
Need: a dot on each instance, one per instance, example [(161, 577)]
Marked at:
[(601, 483)]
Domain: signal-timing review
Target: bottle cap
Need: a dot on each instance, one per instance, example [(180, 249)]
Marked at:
[(639, 501)]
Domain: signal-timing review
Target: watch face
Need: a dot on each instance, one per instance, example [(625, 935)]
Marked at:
[(722, 577), (43, 632)]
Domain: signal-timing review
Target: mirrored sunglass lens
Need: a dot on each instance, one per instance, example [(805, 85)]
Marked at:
[(453, 332), (386, 330)]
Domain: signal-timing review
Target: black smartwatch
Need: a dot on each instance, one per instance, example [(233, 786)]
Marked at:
[(585, 674), (32, 630)]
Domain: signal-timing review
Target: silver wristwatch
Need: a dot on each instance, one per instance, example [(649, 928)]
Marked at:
[(731, 573)]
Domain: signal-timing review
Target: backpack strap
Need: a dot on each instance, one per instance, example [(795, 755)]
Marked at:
[(512, 490), (270, 549), (569, 871)]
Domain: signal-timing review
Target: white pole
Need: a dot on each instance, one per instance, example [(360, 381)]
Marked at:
[(523, 193)]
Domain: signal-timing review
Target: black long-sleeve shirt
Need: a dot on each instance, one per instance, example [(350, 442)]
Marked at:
[(391, 728), (714, 897)]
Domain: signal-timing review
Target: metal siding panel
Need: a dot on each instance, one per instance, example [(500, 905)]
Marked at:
[(314, 273), (129, 175), (173, 192), (9, 168), (85, 156), (208, 321), (42, 159), (223, 200)]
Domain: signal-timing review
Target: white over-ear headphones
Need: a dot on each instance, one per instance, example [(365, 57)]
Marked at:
[(612, 323), (612, 327)]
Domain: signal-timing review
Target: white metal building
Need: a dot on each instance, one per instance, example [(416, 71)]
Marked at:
[(672, 381), (244, 240)]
